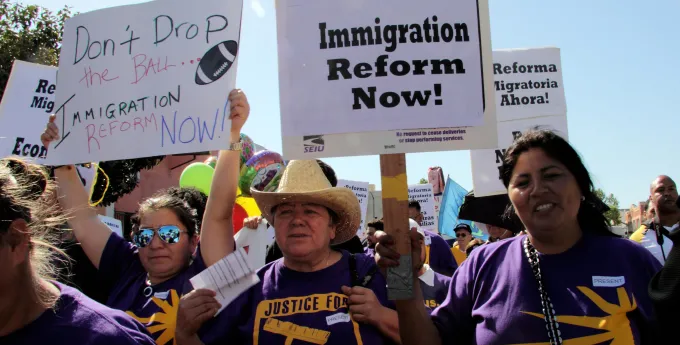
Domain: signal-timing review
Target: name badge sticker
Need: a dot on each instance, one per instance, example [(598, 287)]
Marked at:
[(428, 240), (337, 318), (602, 281)]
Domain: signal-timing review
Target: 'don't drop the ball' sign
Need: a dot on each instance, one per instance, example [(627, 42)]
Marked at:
[(145, 80)]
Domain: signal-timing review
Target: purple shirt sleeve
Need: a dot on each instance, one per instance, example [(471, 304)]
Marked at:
[(453, 318), (119, 259), (441, 258)]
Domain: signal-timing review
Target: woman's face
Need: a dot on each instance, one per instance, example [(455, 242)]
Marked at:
[(544, 193), (303, 229), (161, 259), (495, 231)]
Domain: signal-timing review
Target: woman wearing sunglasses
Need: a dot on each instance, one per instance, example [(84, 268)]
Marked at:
[(150, 275)]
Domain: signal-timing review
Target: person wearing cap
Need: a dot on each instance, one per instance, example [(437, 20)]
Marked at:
[(463, 238), (434, 286), (314, 294)]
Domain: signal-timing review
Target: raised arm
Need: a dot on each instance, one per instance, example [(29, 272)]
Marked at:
[(91, 232), (217, 234)]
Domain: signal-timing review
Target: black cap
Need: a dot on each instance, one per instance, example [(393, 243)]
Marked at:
[(462, 226)]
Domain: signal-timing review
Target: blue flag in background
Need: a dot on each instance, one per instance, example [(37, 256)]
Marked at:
[(452, 199)]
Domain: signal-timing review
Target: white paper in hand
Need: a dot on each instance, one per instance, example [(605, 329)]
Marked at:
[(229, 278)]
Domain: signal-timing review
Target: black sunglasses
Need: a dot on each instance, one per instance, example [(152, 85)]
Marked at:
[(461, 234), (167, 233)]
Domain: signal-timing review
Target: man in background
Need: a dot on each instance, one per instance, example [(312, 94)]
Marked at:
[(463, 238), (438, 253)]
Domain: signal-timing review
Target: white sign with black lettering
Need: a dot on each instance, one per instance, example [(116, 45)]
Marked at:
[(486, 163), (423, 194), (360, 189), (528, 83), (114, 224), (26, 105)]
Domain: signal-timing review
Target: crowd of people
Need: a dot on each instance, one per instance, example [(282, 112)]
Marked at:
[(565, 278)]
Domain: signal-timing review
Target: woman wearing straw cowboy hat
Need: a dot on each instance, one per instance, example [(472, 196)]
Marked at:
[(305, 295)]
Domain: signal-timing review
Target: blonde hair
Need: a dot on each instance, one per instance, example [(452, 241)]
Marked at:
[(26, 193)]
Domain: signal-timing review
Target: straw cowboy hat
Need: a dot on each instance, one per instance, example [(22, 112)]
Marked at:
[(304, 181)]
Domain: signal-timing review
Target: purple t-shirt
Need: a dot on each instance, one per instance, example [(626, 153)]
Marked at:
[(307, 307), (76, 319), (598, 289), (435, 295), (120, 262), (441, 259)]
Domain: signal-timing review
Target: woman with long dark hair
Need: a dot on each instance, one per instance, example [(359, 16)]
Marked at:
[(568, 280)]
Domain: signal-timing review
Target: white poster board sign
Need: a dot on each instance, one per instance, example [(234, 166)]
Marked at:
[(146, 79), (360, 189), (26, 105), (486, 163), (114, 224), (528, 83), (437, 205), (422, 193), (255, 243), (386, 67)]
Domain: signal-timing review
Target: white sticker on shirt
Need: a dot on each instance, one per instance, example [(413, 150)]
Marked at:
[(337, 318), (601, 281), (428, 240), (162, 295)]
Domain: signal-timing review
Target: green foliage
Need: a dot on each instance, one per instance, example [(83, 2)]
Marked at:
[(613, 215), (30, 33), (423, 181)]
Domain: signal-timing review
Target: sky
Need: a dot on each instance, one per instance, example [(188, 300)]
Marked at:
[(618, 61)]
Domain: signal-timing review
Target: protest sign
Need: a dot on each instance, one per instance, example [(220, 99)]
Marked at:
[(422, 193), (370, 73), (486, 164), (528, 83), (114, 224), (26, 106), (146, 79), (360, 189)]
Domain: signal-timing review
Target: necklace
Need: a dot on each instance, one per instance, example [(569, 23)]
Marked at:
[(148, 290), (549, 315)]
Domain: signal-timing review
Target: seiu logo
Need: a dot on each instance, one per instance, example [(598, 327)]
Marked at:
[(313, 143)]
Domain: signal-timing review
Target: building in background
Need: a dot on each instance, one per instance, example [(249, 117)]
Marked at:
[(636, 216)]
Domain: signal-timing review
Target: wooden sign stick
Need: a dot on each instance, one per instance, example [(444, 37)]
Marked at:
[(395, 219)]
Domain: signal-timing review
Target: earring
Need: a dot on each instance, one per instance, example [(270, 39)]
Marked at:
[(583, 198)]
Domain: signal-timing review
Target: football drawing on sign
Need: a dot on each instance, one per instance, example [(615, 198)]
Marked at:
[(216, 62)]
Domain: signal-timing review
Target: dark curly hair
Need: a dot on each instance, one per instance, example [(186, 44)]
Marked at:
[(188, 204), (591, 213)]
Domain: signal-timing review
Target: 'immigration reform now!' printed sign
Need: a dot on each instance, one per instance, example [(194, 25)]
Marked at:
[(362, 66), (145, 80)]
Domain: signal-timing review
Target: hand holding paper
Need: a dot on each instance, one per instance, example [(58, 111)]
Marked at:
[(228, 278)]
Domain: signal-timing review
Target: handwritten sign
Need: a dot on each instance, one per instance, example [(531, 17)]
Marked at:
[(146, 79), (382, 65), (360, 189), (26, 105), (422, 193)]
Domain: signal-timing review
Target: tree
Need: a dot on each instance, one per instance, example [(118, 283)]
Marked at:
[(33, 33), (424, 181), (29, 33), (613, 215)]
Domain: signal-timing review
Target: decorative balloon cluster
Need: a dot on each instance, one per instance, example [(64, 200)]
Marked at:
[(259, 170)]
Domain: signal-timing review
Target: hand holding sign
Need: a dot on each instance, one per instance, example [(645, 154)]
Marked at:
[(51, 132), (240, 109)]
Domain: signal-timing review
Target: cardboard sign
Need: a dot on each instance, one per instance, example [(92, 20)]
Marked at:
[(486, 164), (422, 193), (360, 189), (528, 83), (114, 224), (383, 66), (26, 106), (147, 79)]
